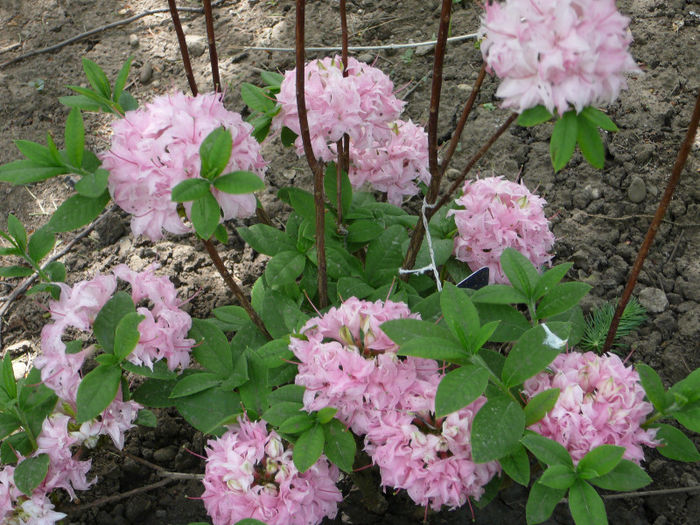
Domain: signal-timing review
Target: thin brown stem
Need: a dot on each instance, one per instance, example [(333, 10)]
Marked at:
[(316, 167), (654, 226), (343, 144), (237, 292), (183, 46), (463, 119), (338, 184), (213, 58), (116, 497), (344, 36)]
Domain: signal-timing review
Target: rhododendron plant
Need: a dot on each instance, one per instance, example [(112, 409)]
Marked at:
[(497, 214)]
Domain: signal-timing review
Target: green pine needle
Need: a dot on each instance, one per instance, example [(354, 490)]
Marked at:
[(598, 325)]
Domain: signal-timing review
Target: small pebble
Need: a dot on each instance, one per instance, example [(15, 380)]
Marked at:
[(637, 191), (146, 73), (423, 50), (367, 58), (19, 369), (653, 299), (133, 40), (196, 44)]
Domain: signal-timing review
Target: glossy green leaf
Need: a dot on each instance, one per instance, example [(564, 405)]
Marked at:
[(541, 503), (539, 405), (563, 141), (287, 136), (284, 268), (547, 450), (340, 446), (550, 278), (499, 294), (256, 98), (496, 429), (215, 152), (561, 298), (155, 393), (96, 391), (190, 190), (205, 215), (435, 348), (75, 137), (517, 465), (308, 448), (16, 229), (239, 182), (194, 383), (598, 118), (16, 271), (590, 143), (626, 476), (127, 335), (31, 472), (535, 349), (385, 255), (586, 506), (212, 350), (460, 387), (676, 445), (108, 318), (281, 411), (122, 77), (27, 171), (297, 424), (8, 377), (98, 80), (206, 410), (533, 116), (36, 153), (146, 418), (353, 287), (266, 239), (653, 387), (599, 461), (77, 211), (520, 271), (558, 477)]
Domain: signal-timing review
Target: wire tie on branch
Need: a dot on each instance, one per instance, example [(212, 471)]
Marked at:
[(432, 266)]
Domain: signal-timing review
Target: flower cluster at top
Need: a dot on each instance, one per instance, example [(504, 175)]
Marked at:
[(387, 153), (500, 214), (249, 474), (348, 363), (559, 53), (163, 336), (601, 403), (156, 147)]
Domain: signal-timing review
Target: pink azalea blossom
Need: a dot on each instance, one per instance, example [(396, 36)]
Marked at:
[(499, 214), (559, 53), (37, 510), (349, 363), (601, 403), (8, 491), (393, 164), (361, 105), (430, 459), (249, 474), (156, 147), (79, 304)]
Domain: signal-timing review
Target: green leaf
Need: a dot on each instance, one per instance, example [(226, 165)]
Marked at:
[(496, 429), (297, 424), (17, 231), (254, 391), (56, 271), (558, 477), (385, 255), (626, 476), (36, 153), (256, 98), (271, 78), (190, 190), (215, 152), (460, 313), (8, 424), (239, 182), (572, 318), (302, 201), (499, 294), (547, 450), (75, 137), (324, 415), (563, 141), (586, 506), (598, 118), (590, 143), (539, 405), (293, 393), (266, 239), (261, 126), (280, 314), (15, 444), (221, 234), (281, 411), (96, 391), (206, 410), (675, 444), (308, 448), (122, 77), (460, 387), (128, 102), (8, 377), (16, 271), (108, 318), (80, 102), (353, 287), (107, 359), (194, 383), (127, 335), (653, 387), (535, 349), (533, 116), (93, 184), (284, 268), (520, 271), (287, 136), (541, 503), (512, 324), (340, 446), (549, 279), (146, 418), (689, 416), (212, 351), (27, 171), (330, 182), (98, 80), (599, 461), (155, 393), (205, 215), (77, 211), (435, 348), (246, 521), (31, 472), (276, 353), (517, 465), (160, 370), (364, 231), (233, 317)]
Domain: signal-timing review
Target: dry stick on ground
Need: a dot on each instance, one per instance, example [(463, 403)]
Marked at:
[(213, 58), (654, 226), (68, 247), (314, 164), (434, 168), (116, 497), (183, 46), (81, 36)]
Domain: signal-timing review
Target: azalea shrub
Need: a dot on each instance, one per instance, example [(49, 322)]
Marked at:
[(454, 379)]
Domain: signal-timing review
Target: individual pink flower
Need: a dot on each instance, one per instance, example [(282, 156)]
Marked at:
[(37, 510), (601, 403), (79, 304), (559, 53), (117, 418), (249, 474), (8, 491), (499, 214), (431, 459), (362, 105), (156, 147), (393, 164), (349, 363)]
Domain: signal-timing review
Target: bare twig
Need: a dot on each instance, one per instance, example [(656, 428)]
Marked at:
[(75, 509), (183, 46), (213, 58), (314, 164), (99, 29), (11, 47), (654, 226)]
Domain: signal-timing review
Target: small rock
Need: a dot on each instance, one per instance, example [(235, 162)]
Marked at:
[(196, 44), (19, 368), (146, 73), (278, 31), (423, 50), (165, 454), (367, 58), (653, 299), (637, 190), (464, 87), (689, 323), (133, 40)]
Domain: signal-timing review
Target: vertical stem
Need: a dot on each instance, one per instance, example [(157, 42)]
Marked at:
[(343, 144), (435, 173), (654, 226), (338, 184), (213, 58), (237, 292), (315, 166), (183, 46)]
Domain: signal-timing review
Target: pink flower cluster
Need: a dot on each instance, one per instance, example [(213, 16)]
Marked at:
[(393, 165), (156, 147), (361, 105), (16, 508), (500, 214), (559, 53), (601, 403), (348, 363), (249, 474)]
